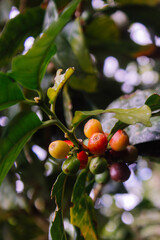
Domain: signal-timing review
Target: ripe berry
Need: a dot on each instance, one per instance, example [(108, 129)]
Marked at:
[(83, 158), (130, 154), (91, 127), (58, 149), (69, 143), (119, 172), (71, 166), (119, 141), (97, 144), (97, 165)]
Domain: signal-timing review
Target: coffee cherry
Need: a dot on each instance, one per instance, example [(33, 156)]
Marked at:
[(119, 141), (58, 149), (97, 144), (116, 155), (97, 165), (83, 158), (71, 166), (102, 177), (91, 127), (69, 143), (119, 172), (130, 154)]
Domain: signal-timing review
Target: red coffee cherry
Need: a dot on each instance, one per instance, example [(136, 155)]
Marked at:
[(97, 144), (119, 172), (91, 127), (69, 143), (83, 158), (58, 149), (119, 141)]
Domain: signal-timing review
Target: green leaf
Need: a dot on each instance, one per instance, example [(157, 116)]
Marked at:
[(30, 68), (128, 116), (82, 212), (16, 134), (153, 102), (17, 30), (72, 51), (59, 81), (10, 92), (101, 30), (75, 37), (57, 227)]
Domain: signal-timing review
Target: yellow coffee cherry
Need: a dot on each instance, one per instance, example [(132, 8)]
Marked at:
[(59, 149)]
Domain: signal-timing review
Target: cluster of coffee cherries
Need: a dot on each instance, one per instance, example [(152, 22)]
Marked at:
[(104, 158)]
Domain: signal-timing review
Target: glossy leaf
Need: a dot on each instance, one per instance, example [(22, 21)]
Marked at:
[(17, 30), (128, 116), (138, 133), (72, 51), (16, 134), (30, 68), (10, 92), (83, 210), (153, 102), (59, 81), (75, 37), (57, 227)]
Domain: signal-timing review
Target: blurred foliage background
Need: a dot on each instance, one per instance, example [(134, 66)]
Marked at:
[(115, 49)]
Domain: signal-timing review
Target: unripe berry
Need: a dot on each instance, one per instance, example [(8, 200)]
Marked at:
[(102, 177), (119, 141), (97, 144), (91, 127), (97, 165), (71, 166), (58, 149), (119, 172), (83, 158)]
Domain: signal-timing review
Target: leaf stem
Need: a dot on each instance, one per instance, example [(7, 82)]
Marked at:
[(52, 116)]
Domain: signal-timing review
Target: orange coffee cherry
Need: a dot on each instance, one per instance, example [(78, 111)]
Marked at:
[(119, 141), (92, 126)]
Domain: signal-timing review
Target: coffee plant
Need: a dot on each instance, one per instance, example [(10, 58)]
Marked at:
[(62, 161)]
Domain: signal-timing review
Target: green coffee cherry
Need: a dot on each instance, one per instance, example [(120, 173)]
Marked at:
[(97, 165), (102, 177), (71, 166)]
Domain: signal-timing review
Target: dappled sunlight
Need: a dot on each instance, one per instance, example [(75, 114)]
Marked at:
[(98, 4), (14, 12), (127, 201), (110, 66), (3, 121), (120, 18), (40, 152), (127, 218), (139, 34), (28, 44), (19, 186)]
